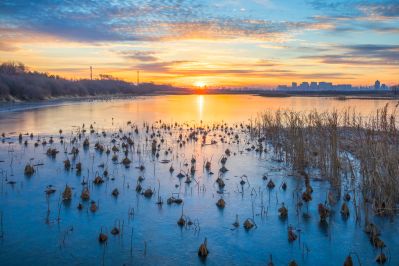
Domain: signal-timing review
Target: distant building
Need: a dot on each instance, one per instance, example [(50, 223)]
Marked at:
[(343, 87), (282, 87), (313, 85), (328, 86), (377, 85), (325, 85), (304, 85)]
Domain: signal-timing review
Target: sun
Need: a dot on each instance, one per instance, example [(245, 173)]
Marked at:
[(200, 84)]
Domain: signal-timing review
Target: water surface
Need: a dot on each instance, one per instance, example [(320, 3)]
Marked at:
[(174, 108), (70, 236)]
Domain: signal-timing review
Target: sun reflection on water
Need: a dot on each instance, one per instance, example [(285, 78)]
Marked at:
[(200, 103)]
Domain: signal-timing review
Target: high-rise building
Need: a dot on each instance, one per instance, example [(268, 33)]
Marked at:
[(282, 87), (294, 85), (304, 85), (377, 85), (325, 85), (313, 85)]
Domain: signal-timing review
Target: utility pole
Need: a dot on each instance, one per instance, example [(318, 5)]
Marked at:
[(91, 73)]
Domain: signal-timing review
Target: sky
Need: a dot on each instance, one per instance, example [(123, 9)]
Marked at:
[(227, 43)]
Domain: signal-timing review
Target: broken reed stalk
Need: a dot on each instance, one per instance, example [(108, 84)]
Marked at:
[(131, 244), (59, 208), (1, 225)]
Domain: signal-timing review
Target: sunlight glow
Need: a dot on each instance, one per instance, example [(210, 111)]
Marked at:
[(200, 103), (200, 84)]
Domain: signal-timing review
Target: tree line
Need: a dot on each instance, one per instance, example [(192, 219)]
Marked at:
[(18, 83)]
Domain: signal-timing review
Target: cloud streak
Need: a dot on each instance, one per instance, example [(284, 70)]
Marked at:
[(361, 54)]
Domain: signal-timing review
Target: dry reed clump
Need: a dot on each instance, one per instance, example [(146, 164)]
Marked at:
[(223, 169), (248, 224), (181, 221), (93, 206), (115, 231), (324, 212), (115, 192), (381, 258), (67, 194), (283, 211), (271, 184), (115, 149), (347, 197), (376, 241), (52, 152), (192, 169), (203, 249), (50, 190), (78, 168), (174, 200), (85, 194), (326, 141), (220, 182), (86, 143), (306, 196), (126, 161), (148, 193), (188, 180), (102, 238), (180, 175), (372, 230), (98, 180), (221, 203), (29, 170), (344, 210), (291, 234), (74, 151), (331, 198), (348, 261), (67, 164), (208, 166)]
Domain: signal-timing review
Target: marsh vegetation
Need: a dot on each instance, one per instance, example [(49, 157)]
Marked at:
[(286, 188)]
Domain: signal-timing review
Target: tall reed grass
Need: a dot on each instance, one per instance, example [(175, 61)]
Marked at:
[(332, 143)]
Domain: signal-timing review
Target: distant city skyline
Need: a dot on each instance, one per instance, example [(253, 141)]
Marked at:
[(324, 85), (206, 43)]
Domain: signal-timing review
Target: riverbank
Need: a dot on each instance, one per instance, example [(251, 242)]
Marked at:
[(20, 105), (16, 106), (339, 95)]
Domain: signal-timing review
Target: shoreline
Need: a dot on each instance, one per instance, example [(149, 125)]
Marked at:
[(15, 106)]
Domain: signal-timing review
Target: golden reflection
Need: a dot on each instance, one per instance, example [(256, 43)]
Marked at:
[(200, 103), (172, 108)]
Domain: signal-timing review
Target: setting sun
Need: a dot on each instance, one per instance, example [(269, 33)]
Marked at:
[(200, 84)]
